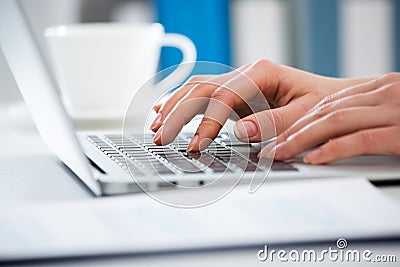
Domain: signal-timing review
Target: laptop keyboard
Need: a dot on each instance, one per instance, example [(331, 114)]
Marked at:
[(139, 155)]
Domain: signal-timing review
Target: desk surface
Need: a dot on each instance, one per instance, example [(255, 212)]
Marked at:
[(22, 165)]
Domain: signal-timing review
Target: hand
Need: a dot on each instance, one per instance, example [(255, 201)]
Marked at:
[(291, 93), (363, 119)]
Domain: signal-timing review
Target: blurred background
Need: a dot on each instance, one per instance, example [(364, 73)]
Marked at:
[(344, 38)]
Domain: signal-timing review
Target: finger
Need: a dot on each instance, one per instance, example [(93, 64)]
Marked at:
[(157, 107), (256, 127), (237, 91), (359, 100), (193, 103), (335, 124), (251, 107), (266, 124), (179, 116), (360, 88), (372, 141), (194, 81), (210, 128), (241, 112), (168, 105)]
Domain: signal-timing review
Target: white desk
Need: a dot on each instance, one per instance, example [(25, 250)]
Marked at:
[(30, 173)]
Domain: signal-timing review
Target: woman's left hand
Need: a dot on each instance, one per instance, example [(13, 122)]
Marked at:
[(363, 119)]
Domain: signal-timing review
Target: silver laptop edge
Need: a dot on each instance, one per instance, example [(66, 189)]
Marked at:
[(37, 86)]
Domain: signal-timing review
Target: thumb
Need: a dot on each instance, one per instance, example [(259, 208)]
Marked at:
[(267, 124)]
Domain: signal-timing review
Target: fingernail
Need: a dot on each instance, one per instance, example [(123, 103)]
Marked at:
[(192, 143), (158, 134), (155, 107), (204, 143), (245, 129), (156, 122), (313, 157)]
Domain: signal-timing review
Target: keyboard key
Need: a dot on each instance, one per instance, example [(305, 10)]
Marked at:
[(282, 166), (149, 157)]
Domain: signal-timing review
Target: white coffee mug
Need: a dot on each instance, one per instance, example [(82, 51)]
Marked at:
[(100, 66)]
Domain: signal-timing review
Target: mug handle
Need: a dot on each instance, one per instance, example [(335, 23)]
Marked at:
[(183, 71)]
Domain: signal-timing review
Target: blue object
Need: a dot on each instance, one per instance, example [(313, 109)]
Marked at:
[(397, 33), (205, 22), (317, 29)]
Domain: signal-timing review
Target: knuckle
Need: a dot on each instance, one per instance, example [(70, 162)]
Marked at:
[(325, 104), (197, 88), (203, 87), (209, 122), (224, 95), (262, 63), (326, 100), (321, 112), (196, 80), (392, 76), (368, 140), (391, 90), (280, 121)]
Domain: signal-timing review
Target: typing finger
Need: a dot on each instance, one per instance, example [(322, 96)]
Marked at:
[(157, 107), (194, 102), (165, 108), (369, 85), (359, 100), (338, 123), (266, 124), (241, 89), (372, 141)]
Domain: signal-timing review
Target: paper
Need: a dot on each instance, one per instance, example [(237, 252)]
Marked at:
[(308, 210)]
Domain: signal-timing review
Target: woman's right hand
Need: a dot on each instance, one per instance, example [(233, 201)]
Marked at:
[(290, 93)]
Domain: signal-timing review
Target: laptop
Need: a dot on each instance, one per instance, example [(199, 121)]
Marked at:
[(109, 163)]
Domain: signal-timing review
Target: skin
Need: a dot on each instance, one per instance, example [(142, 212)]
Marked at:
[(340, 117)]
